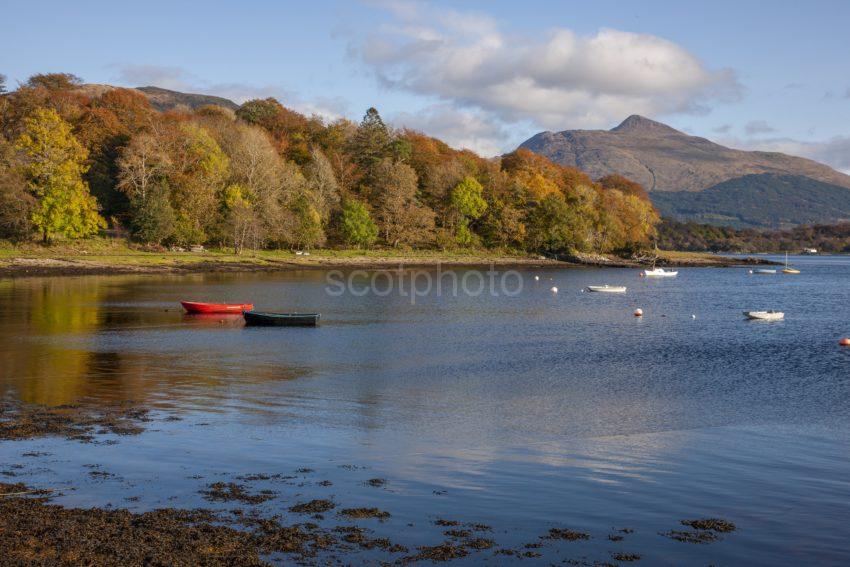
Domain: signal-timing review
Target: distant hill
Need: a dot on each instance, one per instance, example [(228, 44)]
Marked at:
[(765, 200), (664, 159), (675, 167), (164, 99)]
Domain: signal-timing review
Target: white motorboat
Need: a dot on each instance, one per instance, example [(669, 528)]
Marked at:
[(765, 315), (764, 271), (660, 273), (607, 288)]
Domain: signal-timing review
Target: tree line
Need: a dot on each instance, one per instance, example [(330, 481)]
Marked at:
[(75, 160), (691, 236)]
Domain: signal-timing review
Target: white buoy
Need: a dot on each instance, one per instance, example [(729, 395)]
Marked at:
[(693, 316), (638, 312), (554, 289), (537, 278)]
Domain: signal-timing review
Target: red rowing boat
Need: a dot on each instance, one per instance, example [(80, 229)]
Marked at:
[(198, 307)]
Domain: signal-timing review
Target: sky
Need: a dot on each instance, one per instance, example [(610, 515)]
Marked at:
[(485, 75)]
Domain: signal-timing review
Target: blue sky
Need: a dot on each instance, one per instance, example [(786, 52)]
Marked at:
[(486, 75)]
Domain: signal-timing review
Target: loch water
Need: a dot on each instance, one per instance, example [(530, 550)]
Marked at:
[(524, 411)]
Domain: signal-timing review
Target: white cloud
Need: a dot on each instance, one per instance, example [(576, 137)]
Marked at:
[(562, 80), (179, 79), (460, 128)]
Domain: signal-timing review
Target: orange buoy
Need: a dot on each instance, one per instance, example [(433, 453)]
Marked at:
[(638, 312), (844, 342)]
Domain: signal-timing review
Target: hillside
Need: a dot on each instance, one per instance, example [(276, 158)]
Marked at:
[(164, 99), (764, 200), (664, 159)]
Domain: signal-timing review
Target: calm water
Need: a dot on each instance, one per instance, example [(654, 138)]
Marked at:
[(527, 412)]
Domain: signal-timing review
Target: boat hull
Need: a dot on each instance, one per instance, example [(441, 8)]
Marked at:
[(606, 289), (199, 307), (260, 319), (765, 315), (659, 274)]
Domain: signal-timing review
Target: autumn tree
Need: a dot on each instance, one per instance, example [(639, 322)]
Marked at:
[(16, 203), (469, 205), (199, 172), (103, 135), (322, 184), (54, 169), (629, 222), (624, 185), (244, 226), (141, 164), (554, 226), (54, 81), (292, 132), (266, 184), (401, 218), (356, 226), (56, 91), (308, 224)]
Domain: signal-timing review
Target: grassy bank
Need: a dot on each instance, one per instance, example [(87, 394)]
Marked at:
[(117, 256)]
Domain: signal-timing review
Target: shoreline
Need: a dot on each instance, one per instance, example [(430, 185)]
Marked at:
[(265, 517), (39, 262)]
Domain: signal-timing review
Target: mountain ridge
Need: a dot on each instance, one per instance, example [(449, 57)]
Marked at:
[(665, 159)]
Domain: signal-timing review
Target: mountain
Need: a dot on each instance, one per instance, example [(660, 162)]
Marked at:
[(666, 160), (164, 99), (765, 200)]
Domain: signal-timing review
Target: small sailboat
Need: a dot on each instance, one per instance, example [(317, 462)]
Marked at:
[(788, 269), (607, 288), (765, 315), (659, 273)]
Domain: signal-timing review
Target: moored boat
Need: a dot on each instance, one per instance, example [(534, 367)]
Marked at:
[(266, 319), (200, 307), (659, 273), (607, 288), (765, 315), (788, 269), (763, 272)]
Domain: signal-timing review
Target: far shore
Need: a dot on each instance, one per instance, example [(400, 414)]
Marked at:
[(107, 257)]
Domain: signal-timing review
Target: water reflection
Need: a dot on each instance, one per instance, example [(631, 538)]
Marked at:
[(68, 340), (563, 409)]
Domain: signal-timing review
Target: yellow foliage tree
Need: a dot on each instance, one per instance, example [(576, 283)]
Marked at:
[(54, 170)]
